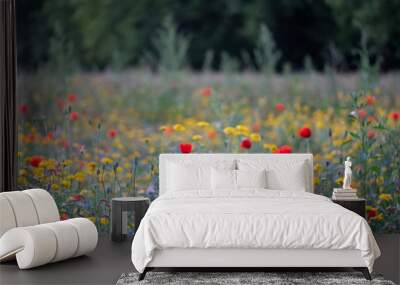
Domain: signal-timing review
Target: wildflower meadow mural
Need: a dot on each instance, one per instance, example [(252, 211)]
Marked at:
[(87, 136)]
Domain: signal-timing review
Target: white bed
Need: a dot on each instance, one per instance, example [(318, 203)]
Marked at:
[(248, 227)]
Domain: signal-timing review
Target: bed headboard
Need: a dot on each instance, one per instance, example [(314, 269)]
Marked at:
[(213, 157)]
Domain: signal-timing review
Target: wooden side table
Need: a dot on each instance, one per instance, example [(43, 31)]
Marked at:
[(119, 215), (356, 205)]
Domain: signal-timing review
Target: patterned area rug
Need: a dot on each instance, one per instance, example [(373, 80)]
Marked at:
[(225, 278)]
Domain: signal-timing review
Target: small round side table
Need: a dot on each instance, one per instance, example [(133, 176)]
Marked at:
[(119, 215)]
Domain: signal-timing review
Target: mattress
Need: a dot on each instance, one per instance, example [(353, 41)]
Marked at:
[(250, 219)]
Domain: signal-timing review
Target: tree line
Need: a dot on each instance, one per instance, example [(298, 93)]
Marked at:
[(218, 34)]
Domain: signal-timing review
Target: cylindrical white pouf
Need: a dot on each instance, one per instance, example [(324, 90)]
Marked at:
[(67, 239), (34, 245), (45, 205), (87, 235), (7, 218)]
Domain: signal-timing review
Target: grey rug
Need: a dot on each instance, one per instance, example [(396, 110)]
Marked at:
[(228, 278)]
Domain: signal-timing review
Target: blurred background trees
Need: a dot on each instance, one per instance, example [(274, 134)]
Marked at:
[(219, 34)]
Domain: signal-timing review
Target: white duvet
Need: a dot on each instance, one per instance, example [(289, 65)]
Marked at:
[(250, 219)]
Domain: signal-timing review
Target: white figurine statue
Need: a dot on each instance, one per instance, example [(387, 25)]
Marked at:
[(347, 174)]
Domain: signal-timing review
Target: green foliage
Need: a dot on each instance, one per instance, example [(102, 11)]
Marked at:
[(61, 52), (106, 33), (369, 70), (170, 48), (228, 63), (266, 54)]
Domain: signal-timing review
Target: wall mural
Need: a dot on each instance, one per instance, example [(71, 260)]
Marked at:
[(102, 92), (94, 136)]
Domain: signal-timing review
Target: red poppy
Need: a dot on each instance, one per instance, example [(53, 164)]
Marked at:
[(280, 107), (73, 116), (245, 143), (36, 160), (283, 149), (205, 91), (50, 135), (371, 134), (371, 213), (77, 197), (64, 216), (362, 114), (305, 132), (370, 100), (23, 108), (395, 116), (71, 97), (186, 147), (112, 133)]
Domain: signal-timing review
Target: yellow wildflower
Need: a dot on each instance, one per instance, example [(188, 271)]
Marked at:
[(119, 169), (179, 128), (67, 163), (339, 181), (379, 217), (271, 147), (385, 197), (51, 164), (104, 221), (337, 143), (255, 137), (106, 160), (91, 166), (38, 172), (55, 187), (66, 183), (196, 137), (79, 176), (229, 131), (92, 219), (203, 124), (379, 180), (329, 156), (243, 130)]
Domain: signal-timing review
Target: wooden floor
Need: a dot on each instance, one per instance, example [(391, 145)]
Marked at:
[(102, 266), (111, 259)]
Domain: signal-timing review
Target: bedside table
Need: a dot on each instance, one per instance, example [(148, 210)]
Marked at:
[(119, 215), (356, 205)]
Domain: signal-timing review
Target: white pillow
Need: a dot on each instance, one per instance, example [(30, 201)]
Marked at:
[(223, 179), (251, 178), (188, 177), (288, 175), (293, 180), (229, 180)]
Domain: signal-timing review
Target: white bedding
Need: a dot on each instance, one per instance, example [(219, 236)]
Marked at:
[(250, 218)]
